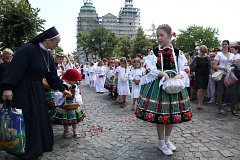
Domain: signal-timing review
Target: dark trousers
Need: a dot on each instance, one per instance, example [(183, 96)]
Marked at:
[(230, 92), (238, 90)]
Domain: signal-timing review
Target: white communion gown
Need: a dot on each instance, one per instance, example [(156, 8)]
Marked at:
[(100, 79), (123, 83), (136, 74)]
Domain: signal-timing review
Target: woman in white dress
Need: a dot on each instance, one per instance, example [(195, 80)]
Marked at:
[(100, 77), (122, 73), (86, 72), (135, 76)]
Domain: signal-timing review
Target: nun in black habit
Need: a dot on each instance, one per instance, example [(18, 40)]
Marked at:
[(22, 83)]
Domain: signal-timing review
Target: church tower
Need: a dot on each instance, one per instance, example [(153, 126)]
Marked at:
[(129, 19), (88, 17)]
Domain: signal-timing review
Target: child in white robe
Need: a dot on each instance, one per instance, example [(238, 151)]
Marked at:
[(135, 76), (100, 77), (86, 72), (92, 72), (122, 73)]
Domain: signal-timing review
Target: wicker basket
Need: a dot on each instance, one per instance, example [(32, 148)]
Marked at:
[(69, 107)]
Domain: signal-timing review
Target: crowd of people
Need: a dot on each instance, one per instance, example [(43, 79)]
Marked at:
[(204, 64), (46, 85)]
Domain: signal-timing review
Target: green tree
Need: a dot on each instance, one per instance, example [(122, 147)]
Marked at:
[(123, 47), (140, 42), (18, 23), (188, 38), (83, 42), (59, 49), (102, 42)]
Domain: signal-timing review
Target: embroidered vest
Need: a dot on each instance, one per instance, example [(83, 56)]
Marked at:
[(168, 60)]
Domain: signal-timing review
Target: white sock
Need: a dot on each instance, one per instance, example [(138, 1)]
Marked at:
[(167, 139), (162, 143)]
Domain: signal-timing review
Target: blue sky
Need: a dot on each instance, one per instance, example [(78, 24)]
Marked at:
[(179, 14)]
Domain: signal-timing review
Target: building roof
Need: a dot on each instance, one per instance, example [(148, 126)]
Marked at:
[(88, 7), (109, 15), (128, 8)]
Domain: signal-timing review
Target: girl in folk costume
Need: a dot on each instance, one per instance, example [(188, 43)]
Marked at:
[(109, 77), (100, 78), (158, 105), (105, 64), (115, 79), (66, 115), (135, 76), (122, 73), (86, 72), (92, 74)]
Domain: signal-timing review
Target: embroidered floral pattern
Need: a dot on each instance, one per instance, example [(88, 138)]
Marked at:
[(149, 116), (189, 114), (163, 119), (138, 112), (177, 118), (168, 59)]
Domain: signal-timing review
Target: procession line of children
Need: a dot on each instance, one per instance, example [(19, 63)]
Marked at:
[(116, 76)]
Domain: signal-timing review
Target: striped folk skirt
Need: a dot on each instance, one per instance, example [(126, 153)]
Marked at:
[(63, 117), (157, 106)]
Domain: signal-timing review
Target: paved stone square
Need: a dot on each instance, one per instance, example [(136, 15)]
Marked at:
[(109, 132)]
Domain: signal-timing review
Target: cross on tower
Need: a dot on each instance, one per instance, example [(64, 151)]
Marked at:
[(129, 1), (87, 1)]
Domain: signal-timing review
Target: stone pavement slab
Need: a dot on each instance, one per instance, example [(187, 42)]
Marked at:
[(109, 132)]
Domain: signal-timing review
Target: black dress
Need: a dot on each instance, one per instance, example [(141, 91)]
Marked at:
[(24, 77), (3, 67), (202, 72)]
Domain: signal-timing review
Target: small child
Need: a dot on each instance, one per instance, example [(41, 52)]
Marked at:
[(92, 72), (86, 72), (211, 90), (100, 78), (122, 73), (115, 80), (109, 77), (69, 117), (135, 76)]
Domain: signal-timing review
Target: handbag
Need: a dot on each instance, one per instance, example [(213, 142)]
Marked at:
[(12, 129), (230, 79), (217, 76), (172, 86)]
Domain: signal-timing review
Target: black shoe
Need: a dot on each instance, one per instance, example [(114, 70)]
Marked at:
[(235, 113), (222, 112)]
